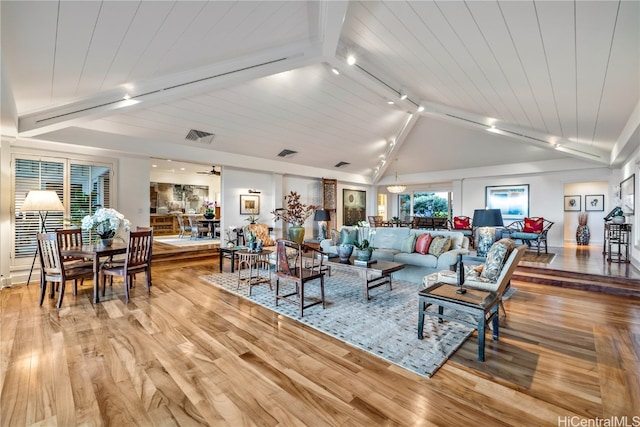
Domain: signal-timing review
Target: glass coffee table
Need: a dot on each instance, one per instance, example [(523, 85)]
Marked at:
[(372, 275)]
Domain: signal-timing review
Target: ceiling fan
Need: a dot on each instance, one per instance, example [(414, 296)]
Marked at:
[(213, 171)]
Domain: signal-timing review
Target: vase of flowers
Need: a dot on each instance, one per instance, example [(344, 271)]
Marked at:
[(105, 223), (364, 233), (296, 213), (208, 206)]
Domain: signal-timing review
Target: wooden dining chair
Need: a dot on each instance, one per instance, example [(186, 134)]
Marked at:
[(197, 230), (290, 267), (53, 269), (137, 260), (68, 237)]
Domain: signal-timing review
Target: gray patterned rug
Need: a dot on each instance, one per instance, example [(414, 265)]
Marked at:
[(386, 325)]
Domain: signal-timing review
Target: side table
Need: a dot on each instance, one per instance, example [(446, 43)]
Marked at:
[(481, 305), (230, 253), (258, 265)]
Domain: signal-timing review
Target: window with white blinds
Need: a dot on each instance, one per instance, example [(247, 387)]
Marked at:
[(82, 187)]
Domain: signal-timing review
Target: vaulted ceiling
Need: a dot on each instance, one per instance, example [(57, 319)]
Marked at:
[(555, 79)]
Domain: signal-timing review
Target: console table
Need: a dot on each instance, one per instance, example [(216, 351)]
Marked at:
[(617, 239)]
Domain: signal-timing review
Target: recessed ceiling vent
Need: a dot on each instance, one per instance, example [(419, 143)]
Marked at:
[(339, 165), (286, 153), (200, 136)]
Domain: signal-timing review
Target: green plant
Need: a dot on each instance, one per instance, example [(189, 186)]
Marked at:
[(253, 217), (363, 236)]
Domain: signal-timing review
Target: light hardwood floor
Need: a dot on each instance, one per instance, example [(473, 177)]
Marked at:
[(191, 354)]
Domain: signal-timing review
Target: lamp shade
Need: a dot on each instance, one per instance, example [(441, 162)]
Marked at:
[(487, 218), (41, 200), (321, 215)]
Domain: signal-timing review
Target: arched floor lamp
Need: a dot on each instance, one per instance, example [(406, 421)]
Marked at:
[(43, 202)]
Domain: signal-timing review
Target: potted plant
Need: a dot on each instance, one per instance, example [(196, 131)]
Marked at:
[(296, 213), (364, 250), (105, 223), (208, 206)]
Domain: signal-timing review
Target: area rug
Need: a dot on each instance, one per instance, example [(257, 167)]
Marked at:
[(386, 325), (534, 257), (186, 241)]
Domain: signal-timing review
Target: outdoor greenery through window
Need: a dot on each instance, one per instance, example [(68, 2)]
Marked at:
[(432, 204), (82, 188)]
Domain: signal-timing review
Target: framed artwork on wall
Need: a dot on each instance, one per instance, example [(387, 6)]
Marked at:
[(354, 206), (627, 194), (572, 203), (594, 202), (512, 200), (249, 204)]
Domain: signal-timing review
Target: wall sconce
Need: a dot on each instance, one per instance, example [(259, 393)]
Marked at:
[(253, 191)]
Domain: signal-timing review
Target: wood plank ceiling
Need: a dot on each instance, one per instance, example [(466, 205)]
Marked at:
[(259, 76)]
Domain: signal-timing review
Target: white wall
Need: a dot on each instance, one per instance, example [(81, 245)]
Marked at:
[(596, 221)]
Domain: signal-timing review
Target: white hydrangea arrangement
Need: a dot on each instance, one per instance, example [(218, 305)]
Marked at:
[(105, 222)]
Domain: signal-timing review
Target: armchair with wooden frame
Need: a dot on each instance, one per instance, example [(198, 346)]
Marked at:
[(463, 224), (292, 266), (531, 231), (375, 221)]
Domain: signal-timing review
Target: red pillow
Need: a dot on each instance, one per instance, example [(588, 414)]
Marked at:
[(422, 243), (532, 225), (461, 223)]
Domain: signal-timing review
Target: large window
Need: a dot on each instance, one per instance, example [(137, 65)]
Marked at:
[(434, 204), (82, 188)]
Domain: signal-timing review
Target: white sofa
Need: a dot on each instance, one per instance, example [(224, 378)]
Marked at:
[(388, 243)]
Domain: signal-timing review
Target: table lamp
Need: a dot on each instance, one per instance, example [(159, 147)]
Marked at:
[(485, 220), (43, 202), (322, 216)]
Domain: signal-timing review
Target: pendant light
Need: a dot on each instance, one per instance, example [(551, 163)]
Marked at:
[(396, 188)]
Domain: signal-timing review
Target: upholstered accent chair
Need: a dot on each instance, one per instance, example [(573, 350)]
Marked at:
[(262, 233), (376, 221), (531, 231)]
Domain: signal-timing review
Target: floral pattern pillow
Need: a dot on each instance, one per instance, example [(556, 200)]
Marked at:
[(439, 245), (496, 258)]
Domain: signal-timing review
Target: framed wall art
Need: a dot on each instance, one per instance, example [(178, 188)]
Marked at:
[(627, 194), (572, 203), (354, 206), (512, 200), (249, 204), (594, 202)]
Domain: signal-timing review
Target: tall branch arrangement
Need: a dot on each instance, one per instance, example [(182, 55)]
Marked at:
[(296, 212)]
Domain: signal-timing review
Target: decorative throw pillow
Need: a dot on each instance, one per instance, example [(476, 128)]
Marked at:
[(409, 243), (335, 237), (348, 237), (533, 225), (422, 243), (496, 258), (439, 245), (461, 223)]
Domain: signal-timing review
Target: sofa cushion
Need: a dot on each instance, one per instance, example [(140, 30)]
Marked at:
[(347, 236), (384, 254), (439, 245), (409, 243), (389, 237), (422, 243), (496, 257), (335, 237), (461, 222), (532, 225), (415, 258), (523, 235)]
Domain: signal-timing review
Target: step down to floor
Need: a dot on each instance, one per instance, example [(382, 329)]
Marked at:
[(566, 279)]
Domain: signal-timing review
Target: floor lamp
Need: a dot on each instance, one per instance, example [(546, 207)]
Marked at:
[(43, 202), (485, 221)]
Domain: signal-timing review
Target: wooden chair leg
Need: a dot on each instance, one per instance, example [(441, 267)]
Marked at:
[(61, 295), (43, 290)]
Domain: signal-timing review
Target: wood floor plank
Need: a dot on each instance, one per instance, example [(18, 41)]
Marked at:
[(192, 354)]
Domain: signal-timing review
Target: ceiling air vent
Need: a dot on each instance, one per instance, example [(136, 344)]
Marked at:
[(339, 165), (285, 153), (200, 136)]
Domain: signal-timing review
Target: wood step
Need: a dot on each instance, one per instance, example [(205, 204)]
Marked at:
[(574, 280)]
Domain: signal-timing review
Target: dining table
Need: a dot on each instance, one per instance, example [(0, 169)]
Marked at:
[(96, 252)]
